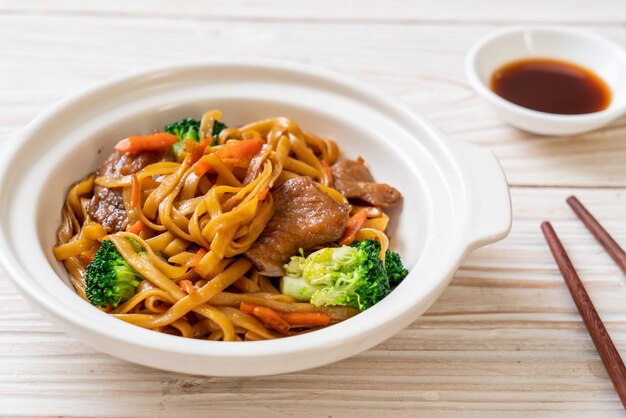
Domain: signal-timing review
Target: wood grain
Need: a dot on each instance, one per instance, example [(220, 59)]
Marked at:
[(599, 232), (400, 11), (505, 339)]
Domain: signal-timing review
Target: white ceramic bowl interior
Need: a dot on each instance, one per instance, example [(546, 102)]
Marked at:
[(586, 49), (455, 199)]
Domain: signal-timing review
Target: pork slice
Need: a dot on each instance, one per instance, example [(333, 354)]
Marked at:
[(304, 217), (354, 180), (107, 205)]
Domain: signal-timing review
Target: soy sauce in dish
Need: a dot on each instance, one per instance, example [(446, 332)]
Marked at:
[(551, 86)]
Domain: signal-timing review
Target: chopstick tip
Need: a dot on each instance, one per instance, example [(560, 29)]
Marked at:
[(546, 226)]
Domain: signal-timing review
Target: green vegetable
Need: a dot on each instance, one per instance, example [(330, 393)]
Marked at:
[(395, 270), (184, 129), (347, 276), (110, 279), (217, 128), (137, 246), (299, 288), (190, 129)]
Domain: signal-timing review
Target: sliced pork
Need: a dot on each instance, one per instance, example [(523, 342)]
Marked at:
[(107, 205), (354, 180), (304, 217)]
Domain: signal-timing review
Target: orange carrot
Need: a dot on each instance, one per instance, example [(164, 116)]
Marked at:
[(198, 151), (272, 319), (328, 173), (241, 150), (195, 260), (136, 228), (154, 142), (263, 193), (135, 191), (202, 167), (230, 154), (187, 287), (89, 255), (247, 307), (313, 319), (354, 224)]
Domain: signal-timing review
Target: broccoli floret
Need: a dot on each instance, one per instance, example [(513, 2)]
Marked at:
[(346, 276), (217, 128), (190, 129), (299, 288), (377, 286), (184, 129), (396, 272), (110, 279)]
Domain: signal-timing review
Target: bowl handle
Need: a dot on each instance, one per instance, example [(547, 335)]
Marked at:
[(487, 192)]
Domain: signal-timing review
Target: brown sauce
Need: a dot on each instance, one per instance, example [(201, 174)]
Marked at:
[(551, 86)]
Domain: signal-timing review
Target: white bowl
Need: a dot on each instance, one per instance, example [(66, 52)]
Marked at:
[(586, 49), (455, 199)]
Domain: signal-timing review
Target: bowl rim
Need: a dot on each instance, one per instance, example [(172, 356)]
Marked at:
[(336, 335), (495, 36)]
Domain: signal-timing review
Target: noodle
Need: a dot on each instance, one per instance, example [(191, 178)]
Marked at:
[(198, 216)]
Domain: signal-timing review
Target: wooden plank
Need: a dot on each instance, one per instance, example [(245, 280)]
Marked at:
[(504, 339), (404, 11), (419, 64)]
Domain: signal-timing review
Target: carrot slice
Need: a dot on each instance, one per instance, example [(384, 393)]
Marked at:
[(231, 154), (247, 307), (202, 167), (263, 193), (198, 151), (136, 228), (195, 260), (135, 191), (272, 319), (281, 321), (88, 256), (187, 287), (154, 142), (312, 319), (241, 150), (354, 224)]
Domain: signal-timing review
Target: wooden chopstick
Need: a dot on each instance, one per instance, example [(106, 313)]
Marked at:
[(615, 251), (600, 336)]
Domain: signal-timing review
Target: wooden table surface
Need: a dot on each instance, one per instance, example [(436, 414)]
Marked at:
[(505, 338)]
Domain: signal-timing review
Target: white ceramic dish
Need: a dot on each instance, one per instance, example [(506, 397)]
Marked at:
[(594, 52), (455, 199)]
